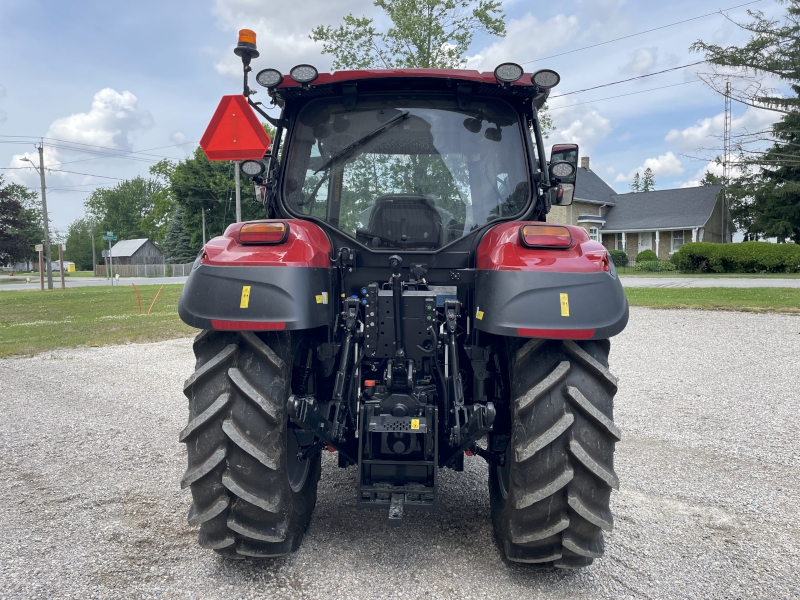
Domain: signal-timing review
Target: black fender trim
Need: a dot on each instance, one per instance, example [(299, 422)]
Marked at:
[(298, 297), (509, 301)]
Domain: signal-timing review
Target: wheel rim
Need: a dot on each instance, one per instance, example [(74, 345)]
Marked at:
[(296, 469)]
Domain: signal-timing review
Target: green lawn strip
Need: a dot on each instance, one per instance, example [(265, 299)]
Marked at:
[(35, 321), (784, 300), (676, 274)]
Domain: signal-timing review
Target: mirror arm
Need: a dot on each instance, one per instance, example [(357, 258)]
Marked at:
[(277, 123), (537, 130)]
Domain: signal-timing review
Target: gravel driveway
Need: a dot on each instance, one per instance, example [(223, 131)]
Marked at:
[(709, 464)]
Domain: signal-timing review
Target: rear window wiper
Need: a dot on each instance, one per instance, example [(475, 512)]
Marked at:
[(362, 140)]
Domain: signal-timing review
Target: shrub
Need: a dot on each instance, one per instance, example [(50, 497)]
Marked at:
[(654, 266), (646, 256), (619, 257), (747, 257)]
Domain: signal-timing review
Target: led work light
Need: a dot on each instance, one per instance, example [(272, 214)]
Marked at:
[(252, 168), (269, 78), (545, 79), (508, 72), (303, 73)]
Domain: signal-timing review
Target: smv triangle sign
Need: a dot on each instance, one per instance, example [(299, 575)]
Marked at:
[(234, 132)]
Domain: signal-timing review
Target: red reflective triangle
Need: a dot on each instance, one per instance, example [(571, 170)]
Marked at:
[(234, 132)]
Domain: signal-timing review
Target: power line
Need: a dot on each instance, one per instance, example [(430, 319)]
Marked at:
[(625, 37), (699, 62), (623, 95), (64, 171)]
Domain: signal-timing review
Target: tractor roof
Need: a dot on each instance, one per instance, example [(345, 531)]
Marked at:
[(371, 80), (458, 74)]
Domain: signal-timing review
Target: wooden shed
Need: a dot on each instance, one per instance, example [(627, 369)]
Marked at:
[(137, 252)]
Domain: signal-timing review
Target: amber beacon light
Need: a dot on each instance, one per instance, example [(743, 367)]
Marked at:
[(246, 48)]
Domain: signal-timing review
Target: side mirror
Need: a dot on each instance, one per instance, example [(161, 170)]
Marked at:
[(564, 163), (562, 194)]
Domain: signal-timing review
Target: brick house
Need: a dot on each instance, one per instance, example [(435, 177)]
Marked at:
[(661, 221)]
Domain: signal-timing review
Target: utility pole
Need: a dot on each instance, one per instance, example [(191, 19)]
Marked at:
[(236, 164), (726, 159), (203, 213), (45, 218), (94, 258)]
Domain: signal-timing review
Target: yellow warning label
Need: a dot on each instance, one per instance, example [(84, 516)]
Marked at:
[(414, 423), (319, 298), (479, 314), (564, 305), (245, 297)]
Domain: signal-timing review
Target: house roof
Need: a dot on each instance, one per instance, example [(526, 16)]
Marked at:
[(127, 247), (681, 208), (590, 188)]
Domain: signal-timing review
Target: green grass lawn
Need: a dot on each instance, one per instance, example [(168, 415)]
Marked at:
[(35, 321), (785, 300)]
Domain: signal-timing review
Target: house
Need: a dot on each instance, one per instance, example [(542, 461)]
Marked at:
[(661, 221), (136, 252)]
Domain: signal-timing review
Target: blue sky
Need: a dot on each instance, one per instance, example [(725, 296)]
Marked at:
[(142, 75)]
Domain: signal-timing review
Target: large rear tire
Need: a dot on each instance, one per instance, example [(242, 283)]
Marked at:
[(550, 502), (251, 495)]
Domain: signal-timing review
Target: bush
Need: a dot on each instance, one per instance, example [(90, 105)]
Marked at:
[(747, 257), (619, 258), (646, 256), (654, 266)]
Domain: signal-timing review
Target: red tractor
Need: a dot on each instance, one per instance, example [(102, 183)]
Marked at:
[(404, 302)]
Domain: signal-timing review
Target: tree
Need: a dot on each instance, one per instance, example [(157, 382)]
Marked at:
[(772, 51), (177, 244), (198, 183), (425, 34), (126, 208), (710, 179), (648, 181), (13, 241), (636, 184), (79, 244)]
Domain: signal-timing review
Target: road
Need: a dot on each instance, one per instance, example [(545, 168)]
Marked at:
[(91, 281), (705, 282), (709, 468)]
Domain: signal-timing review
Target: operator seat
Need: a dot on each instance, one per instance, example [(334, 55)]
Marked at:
[(406, 221)]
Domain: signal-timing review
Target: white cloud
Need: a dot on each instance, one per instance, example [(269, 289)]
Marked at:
[(178, 137), (3, 115), (578, 124), (282, 30), (526, 38), (110, 122), (709, 131), (2, 92), (642, 61), (667, 164)]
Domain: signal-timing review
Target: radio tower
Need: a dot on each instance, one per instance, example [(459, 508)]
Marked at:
[(726, 158)]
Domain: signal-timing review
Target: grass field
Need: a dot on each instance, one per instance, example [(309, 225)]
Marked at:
[(677, 275), (32, 321), (785, 300)]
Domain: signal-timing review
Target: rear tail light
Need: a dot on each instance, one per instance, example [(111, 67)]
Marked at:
[(600, 259), (263, 233), (545, 236)]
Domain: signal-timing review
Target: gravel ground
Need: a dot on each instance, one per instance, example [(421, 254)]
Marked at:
[(90, 505)]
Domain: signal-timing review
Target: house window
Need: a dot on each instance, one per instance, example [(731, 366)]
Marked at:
[(620, 243), (593, 233), (677, 240)]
